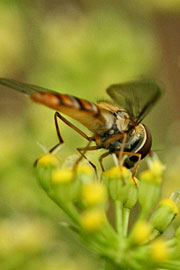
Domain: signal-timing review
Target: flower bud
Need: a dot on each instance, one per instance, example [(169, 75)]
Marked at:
[(92, 220), (117, 181), (156, 167), (130, 196), (140, 233), (60, 176), (84, 173), (93, 193), (164, 215), (63, 185), (149, 190), (159, 251), (44, 167), (48, 160)]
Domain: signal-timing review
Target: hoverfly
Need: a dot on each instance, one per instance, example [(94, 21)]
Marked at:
[(116, 128)]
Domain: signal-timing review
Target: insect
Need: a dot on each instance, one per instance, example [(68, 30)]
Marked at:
[(116, 128)]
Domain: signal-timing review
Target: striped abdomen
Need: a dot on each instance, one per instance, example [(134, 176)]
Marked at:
[(56, 101), (87, 113)]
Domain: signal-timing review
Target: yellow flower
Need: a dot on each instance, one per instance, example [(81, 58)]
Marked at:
[(159, 251), (141, 232), (148, 177), (93, 193), (134, 181), (92, 220), (62, 176), (84, 169), (117, 181), (47, 160), (157, 168), (169, 203), (163, 216), (117, 172)]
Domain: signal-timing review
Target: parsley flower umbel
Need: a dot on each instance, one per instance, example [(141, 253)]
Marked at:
[(86, 200)]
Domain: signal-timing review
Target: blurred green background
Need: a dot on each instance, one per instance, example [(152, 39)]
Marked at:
[(76, 47)]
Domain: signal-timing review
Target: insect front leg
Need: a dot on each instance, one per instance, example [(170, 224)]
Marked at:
[(122, 148), (121, 151), (138, 155), (61, 141)]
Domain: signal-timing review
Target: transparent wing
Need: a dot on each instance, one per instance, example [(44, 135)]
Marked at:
[(89, 114), (136, 97), (24, 87)]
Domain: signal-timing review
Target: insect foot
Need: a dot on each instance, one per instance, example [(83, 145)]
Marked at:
[(122, 244)]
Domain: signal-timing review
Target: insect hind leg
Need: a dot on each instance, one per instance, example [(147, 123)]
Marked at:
[(61, 141), (101, 160)]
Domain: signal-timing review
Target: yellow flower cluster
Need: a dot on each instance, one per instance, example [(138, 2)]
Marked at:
[(65, 185), (84, 198)]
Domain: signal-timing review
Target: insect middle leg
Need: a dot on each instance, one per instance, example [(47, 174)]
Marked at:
[(101, 159), (61, 141), (82, 152)]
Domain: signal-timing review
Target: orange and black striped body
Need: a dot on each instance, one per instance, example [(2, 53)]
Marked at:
[(56, 101), (85, 112)]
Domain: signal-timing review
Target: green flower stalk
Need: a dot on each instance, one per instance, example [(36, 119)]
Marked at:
[(85, 199)]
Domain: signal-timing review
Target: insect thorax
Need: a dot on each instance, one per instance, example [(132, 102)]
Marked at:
[(135, 135)]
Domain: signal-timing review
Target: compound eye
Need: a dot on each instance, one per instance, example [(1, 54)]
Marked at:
[(144, 150)]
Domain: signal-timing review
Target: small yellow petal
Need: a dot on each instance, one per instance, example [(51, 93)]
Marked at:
[(170, 203), (159, 250), (117, 172), (148, 177), (48, 159), (157, 168), (84, 169), (141, 232), (134, 181), (62, 176), (93, 193), (92, 220)]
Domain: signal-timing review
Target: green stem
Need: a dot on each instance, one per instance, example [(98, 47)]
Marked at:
[(119, 216), (143, 215), (111, 266), (109, 228), (126, 212), (174, 265), (72, 212), (69, 209), (153, 236)]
